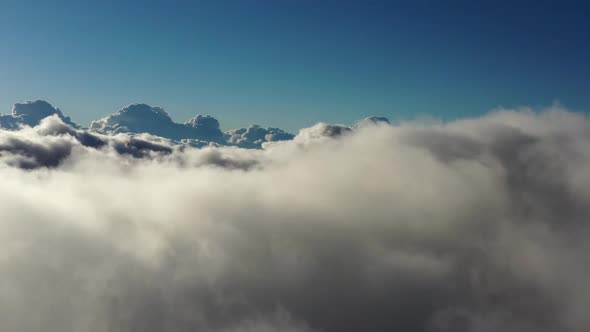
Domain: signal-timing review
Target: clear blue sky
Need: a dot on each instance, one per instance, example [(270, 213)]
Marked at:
[(293, 63)]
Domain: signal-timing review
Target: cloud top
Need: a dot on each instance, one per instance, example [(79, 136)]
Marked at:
[(255, 136), (477, 225), (30, 114), (142, 118), (200, 131)]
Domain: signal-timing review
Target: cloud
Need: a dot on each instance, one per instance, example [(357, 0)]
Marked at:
[(52, 141), (200, 131), (372, 121), (142, 118), (208, 125), (475, 225), (30, 114), (321, 132), (254, 136)]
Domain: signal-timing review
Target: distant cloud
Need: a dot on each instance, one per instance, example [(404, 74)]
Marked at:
[(142, 118), (254, 136), (198, 131), (52, 141), (373, 120), (322, 131), (30, 114), (476, 225), (205, 124)]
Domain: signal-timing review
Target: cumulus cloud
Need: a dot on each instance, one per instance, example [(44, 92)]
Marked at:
[(30, 114), (200, 131), (206, 124), (255, 136), (142, 118), (322, 131), (475, 225)]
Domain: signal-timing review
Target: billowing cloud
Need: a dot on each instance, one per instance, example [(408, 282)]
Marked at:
[(30, 114), (476, 225), (206, 124), (142, 118), (254, 136), (199, 131), (52, 141)]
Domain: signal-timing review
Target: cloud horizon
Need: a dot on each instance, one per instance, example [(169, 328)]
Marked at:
[(139, 118), (475, 225)]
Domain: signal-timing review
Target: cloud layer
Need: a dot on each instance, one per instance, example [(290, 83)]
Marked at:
[(201, 130), (476, 225), (198, 131)]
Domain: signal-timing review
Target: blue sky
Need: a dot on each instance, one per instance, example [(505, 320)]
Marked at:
[(293, 63)]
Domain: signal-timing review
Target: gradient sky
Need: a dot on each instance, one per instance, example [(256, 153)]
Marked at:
[(293, 63)]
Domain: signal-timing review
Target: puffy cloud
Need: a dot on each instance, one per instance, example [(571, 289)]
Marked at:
[(200, 131), (322, 131), (254, 136), (30, 114), (142, 118), (476, 225), (136, 118), (206, 124), (52, 141)]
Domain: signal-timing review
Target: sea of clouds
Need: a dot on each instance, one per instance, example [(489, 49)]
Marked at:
[(478, 224), (138, 118)]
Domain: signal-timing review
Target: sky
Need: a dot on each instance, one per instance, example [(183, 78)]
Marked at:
[(291, 64), (142, 224)]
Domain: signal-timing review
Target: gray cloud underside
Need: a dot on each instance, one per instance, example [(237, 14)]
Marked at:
[(476, 225)]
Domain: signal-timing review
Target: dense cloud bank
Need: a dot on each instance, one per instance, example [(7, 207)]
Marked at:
[(476, 225)]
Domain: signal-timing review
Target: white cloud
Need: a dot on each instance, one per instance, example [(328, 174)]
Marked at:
[(372, 121), (255, 136), (199, 131), (30, 114), (476, 225), (142, 118)]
